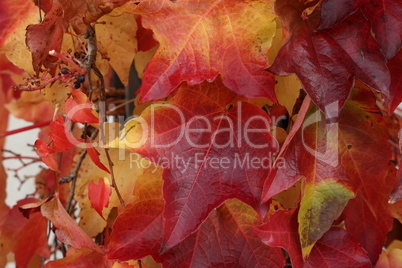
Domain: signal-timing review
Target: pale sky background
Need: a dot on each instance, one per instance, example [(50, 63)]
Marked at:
[(18, 144)]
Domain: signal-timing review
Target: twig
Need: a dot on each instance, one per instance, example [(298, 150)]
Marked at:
[(40, 12), (73, 178), (90, 65)]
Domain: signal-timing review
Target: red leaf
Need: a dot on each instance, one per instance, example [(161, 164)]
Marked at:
[(333, 12), (46, 36), (367, 217), (327, 61), (225, 239), (238, 134), (79, 108), (67, 230), (99, 195), (47, 154), (80, 258), (144, 36), (195, 49), (61, 136), (281, 231), (395, 68), (94, 155), (138, 231), (335, 249), (311, 151), (385, 17), (25, 237), (338, 249)]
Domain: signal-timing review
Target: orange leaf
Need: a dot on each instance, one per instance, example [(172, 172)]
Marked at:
[(94, 154), (47, 154), (67, 230), (79, 108)]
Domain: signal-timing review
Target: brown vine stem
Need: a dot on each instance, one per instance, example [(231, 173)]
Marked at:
[(90, 65), (73, 175), (73, 178)]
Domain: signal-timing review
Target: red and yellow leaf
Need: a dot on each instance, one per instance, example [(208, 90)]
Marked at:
[(333, 155), (193, 48)]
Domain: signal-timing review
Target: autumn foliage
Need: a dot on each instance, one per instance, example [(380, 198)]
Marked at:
[(214, 133)]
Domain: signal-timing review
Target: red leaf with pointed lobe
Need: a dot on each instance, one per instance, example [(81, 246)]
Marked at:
[(94, 155), (47, 154), (195, 49), (327, 61), (311, 151), (99, 195), (138, 230), (225, 239), (145, 37), (220, 130), (60, 135), (79, 108), (281, 230), (385, 17), (25, 237)]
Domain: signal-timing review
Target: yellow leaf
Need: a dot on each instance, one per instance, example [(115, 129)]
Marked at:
[(125, 171), (287, 91), (118, 39), (322, 203)]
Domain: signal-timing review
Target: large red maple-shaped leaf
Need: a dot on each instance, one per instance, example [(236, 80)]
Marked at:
[(211, 149), (225, 239), (333, 155), (385, 17), (335, 249), (327, 61), (193, 47)]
